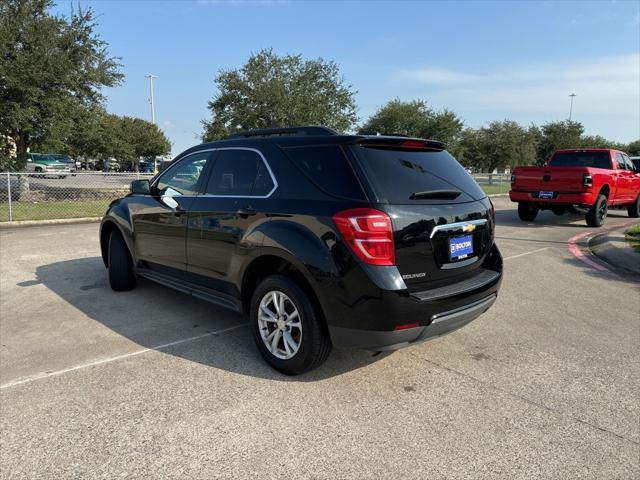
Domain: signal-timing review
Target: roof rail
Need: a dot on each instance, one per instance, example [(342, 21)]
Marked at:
[(278, 132)]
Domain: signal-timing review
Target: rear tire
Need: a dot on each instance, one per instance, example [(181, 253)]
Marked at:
[(527, 211), (598, 212), (121, 274), (312, 344), (634, 209)]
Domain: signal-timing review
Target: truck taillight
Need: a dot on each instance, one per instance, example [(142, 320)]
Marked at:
[(369, 234), (587, 180)]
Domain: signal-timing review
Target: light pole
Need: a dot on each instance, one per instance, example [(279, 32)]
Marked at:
[(153, 110), (572, 96)]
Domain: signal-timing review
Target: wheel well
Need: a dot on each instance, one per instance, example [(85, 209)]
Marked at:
[(105, 233), (604, 191), (267, 265)]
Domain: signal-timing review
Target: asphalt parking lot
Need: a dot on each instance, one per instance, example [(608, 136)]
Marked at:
[(152, 383)]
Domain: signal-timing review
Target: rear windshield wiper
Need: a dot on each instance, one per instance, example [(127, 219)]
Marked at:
[(435, 195)]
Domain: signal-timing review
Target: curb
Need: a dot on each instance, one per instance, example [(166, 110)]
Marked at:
[(59, 221), (603, 253)]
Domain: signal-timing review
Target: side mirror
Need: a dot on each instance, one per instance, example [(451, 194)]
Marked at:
[(140, 187)]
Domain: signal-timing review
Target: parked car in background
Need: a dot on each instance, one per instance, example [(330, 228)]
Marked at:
[(584, 180), (322, 239), (111, 165), (73, 165), (46, 166)]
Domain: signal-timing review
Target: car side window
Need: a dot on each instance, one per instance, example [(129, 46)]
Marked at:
[(628, 163), (620, 161), (239, 173), (185, 177)]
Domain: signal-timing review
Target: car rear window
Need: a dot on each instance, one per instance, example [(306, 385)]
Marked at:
[(329, 169), (397, 175), (581, 159)]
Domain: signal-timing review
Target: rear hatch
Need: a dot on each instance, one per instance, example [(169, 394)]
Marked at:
[(442, 220)]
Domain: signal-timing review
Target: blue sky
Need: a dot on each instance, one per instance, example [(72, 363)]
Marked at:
[(484, 60)]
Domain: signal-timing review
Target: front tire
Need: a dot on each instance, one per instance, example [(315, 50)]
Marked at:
[(288, 329), (598, 212), (121, 274), (527, 211), (634, 209)]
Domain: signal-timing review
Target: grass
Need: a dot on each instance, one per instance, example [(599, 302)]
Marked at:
[(495, 188), (51, 210), (632, 235)]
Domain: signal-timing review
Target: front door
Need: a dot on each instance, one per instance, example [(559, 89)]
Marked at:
[(221, 219), (160, 220)]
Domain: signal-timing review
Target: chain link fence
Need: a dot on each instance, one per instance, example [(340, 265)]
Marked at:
[(25, 196), (29, 196)]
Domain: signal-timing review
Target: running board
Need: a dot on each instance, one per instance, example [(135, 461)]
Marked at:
[(211, 296)]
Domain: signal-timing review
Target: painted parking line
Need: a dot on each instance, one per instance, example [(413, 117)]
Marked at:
[(526, 253), (40, 376)]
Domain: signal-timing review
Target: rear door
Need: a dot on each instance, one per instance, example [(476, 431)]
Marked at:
[(233, 199), (441, 218), (625, 175)]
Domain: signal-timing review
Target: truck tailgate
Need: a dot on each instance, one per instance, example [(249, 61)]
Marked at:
[(551, 179)]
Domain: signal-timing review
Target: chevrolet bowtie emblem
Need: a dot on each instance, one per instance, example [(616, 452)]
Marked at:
[(469, 227)]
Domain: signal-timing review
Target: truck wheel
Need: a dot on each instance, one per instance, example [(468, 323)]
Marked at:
[(634, 209), (598, 212), (558, 211), (527, 212), (288, 330), (121, 274)]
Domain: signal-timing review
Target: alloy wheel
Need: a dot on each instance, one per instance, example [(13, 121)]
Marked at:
[(279, 324)]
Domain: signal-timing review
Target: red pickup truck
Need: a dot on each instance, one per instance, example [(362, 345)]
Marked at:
[(582, 180)]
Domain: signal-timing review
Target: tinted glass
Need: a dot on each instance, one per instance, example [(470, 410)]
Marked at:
[(628, 163), (396, 175), (185, 177), (329, 169), (239, 173), (581, 159)]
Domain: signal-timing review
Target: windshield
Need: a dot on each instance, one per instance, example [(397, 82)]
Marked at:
[(62, 158), (581, 159)]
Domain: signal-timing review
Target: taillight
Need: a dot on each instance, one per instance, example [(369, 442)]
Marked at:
[(587, 180), (369, 234)]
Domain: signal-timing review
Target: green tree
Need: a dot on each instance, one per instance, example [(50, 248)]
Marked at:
[(279, 91), (555, 135), (416, 119), (102, 135), (50, 67), (498, 145), (633, 148)]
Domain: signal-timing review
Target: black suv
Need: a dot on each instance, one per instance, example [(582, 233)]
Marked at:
[(375, 242)]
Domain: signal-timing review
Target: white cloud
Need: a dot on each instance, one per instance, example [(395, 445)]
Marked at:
[(602, 85)]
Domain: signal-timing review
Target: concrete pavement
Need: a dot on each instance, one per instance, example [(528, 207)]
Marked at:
[(152, 383)]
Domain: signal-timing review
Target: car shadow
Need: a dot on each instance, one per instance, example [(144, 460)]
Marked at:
[(153, 316)]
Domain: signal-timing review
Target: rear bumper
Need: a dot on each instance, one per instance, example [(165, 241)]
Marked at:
[(440, 324), (380, 319), (586, 198)]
